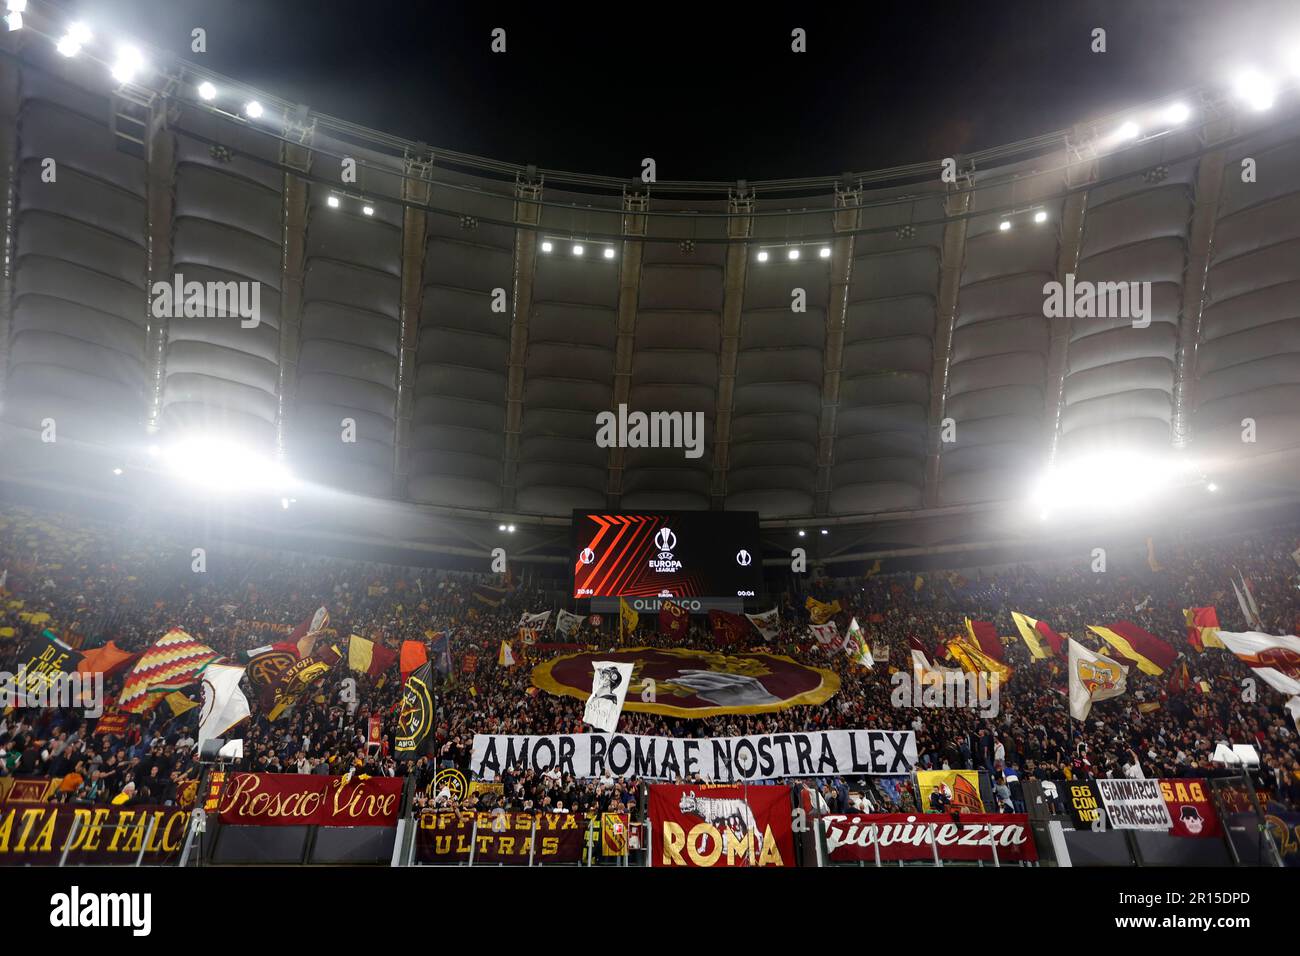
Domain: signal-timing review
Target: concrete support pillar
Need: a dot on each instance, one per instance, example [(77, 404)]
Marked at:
[(739, 228), (635, 206), (415, 189), (951, 256), (160, 151), (1067, 261), (527, 213), (1209, 185), (847, 217), (293, 255)]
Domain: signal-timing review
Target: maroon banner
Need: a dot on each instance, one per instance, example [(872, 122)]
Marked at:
[(906, 836), (707, 826), (511, 838), (1190, 808), (37, 834), (295, 799)]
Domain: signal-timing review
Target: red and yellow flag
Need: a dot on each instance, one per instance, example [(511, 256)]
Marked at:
[(973, 660), (985, 636), (1038, 636), (1202, 627), (1148, 652)]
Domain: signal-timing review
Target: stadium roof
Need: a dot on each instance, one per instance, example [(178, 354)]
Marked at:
[(871, 351)]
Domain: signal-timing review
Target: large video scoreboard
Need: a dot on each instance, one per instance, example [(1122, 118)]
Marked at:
[(666, 554)]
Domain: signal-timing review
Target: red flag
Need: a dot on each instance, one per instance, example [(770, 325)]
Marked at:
[(728, 628), (673, 619), (986, 635), (414, 654), (1180, 681)]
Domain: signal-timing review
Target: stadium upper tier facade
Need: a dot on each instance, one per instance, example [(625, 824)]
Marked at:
[(437, 302)]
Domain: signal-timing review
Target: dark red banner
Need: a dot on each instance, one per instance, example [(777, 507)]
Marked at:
[(294, 799), (1190, 808), (512, 838), (37, 834), (706, 826), (906, 836)]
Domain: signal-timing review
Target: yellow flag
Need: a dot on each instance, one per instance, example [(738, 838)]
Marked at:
[(973, 660), (179, 703), (628, 616)]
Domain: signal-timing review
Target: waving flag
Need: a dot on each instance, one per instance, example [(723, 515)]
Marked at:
[(567, 623), (1274, 657), (627, 618), (985, 636), (440, 649), (1148, 652), (1093, 678), (305, 635), (369, 657), (768, 624), (1035, 633), (825, 633), (609, 682), (176, 660), (974, 661), (530, 625), (224, 704), (673, 619), (856, 646), (1202, 627), (298, 679), (821, 612), (728, 628), (413, 655), (505, 656)]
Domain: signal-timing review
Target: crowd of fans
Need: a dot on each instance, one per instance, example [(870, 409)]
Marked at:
[(100, 582)]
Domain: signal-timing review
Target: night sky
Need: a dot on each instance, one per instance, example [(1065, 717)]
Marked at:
[(715, 95)]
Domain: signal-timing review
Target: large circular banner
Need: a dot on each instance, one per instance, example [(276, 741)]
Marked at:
[(684, 683)]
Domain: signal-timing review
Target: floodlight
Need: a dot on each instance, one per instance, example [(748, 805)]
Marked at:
[(253, 109), (1040, 216), (117, 471), (222, 465), (129, 62), (824, 531), (1112, 481), (14, 20), (1177, 113), (577, 249), (501, 527), (368, 210), (762, 255), (207, 91), (78, 35), (510, 528), (802, 532), (16, 6), (1004, 225), (792, 254), (1257, 90), (1211, 487), (1128, 130), (824, 252), (547, 247), (332, 202), (609, 252)]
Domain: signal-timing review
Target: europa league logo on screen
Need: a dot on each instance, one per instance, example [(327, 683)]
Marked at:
[(665, 541), (587, 556)]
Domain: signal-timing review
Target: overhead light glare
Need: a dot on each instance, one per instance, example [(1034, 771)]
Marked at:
[(1004, 225), (609, 252), (824, 252), (129, 62), (762, 255), (207, 91), (1255, 89), (1040, 216), (368, 210), (792, 254), (253, 109), (332, 202), (1177, 113), (577, 249), (546, 247)]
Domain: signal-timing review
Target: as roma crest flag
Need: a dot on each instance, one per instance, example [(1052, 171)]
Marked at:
[(299, 678), (673, 619), (415, 718), (728, 628), (821, 612)]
